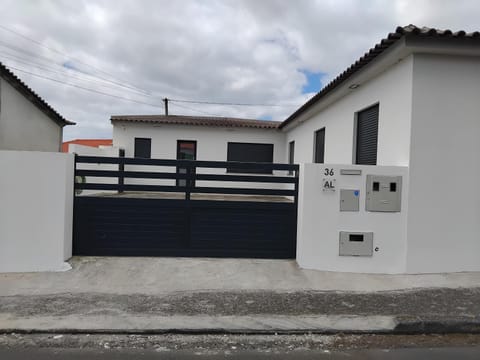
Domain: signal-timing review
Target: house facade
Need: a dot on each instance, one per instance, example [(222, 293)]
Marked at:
[(406, 113), (27, 122)]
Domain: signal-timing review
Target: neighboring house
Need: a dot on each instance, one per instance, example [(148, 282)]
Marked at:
[(27, 122), (199, 138), (97, 143)]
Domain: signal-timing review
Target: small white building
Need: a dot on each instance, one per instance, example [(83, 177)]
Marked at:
[(199, 138), (27, 122), (403, 120)]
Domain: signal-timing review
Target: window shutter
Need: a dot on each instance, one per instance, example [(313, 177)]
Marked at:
[(367, 136), (247, 152)]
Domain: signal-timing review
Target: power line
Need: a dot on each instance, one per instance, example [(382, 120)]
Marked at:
[(51, 61), (196, 110), (230, 103), (106, 94), (122, 84), (84, 88), (67, 72), (126, 85)]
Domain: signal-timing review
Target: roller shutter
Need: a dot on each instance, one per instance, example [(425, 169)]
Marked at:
[(367, 136)]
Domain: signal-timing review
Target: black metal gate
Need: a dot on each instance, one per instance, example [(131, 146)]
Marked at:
[(122, 210)]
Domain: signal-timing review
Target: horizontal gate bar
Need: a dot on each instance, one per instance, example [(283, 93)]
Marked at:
[(185, 163), (166, 188), (194, 176), (131, 174)]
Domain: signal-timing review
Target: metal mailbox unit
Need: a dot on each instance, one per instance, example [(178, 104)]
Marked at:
[(356, 243), (383, 194)]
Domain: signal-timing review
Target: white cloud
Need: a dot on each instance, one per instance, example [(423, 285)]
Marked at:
[(233, 51)]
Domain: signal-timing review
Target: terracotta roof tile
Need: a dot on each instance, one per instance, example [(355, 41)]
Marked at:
[(198, 121), (87, 142)]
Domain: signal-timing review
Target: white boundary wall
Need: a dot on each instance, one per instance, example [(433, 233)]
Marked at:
[(36, 206), (320, 221)]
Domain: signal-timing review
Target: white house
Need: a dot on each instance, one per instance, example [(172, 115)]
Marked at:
[(403, 119), (412, 102), (27, 122), (199, 138)]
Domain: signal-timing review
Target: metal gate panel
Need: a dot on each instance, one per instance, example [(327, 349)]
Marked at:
[(124, 224)]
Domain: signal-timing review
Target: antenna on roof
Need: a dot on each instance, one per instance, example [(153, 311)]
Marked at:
[(165, 101)]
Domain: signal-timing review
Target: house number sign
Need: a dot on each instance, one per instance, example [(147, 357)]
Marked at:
[(328, 182)]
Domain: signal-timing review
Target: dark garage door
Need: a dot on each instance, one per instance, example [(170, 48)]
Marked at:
[(142, 221)]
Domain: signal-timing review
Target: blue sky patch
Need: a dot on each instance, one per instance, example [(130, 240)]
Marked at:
[(314, 83), (69, 65), (266, 117)]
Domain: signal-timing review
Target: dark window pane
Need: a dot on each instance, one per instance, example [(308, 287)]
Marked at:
[(367, 136), (246, 152), (320, 146), (186, 150), (143, 147), (291, 154)]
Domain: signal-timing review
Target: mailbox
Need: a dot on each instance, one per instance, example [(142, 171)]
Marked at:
[(349, 200), (356, 243)]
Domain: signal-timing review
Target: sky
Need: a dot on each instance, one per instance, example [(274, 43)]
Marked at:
[(94, 59)]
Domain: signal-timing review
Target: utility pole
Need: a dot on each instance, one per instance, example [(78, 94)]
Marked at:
[(165, 101)]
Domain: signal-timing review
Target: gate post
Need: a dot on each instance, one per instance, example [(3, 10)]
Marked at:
[(121, 169), (188, 182)]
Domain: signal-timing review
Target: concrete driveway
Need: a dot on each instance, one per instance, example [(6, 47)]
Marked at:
[(159, 276)]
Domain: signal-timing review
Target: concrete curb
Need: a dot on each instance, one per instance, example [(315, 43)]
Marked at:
[(322, 324), (439, 325)]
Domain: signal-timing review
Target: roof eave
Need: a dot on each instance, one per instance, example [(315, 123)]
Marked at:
[(33, 97), (413, 37)]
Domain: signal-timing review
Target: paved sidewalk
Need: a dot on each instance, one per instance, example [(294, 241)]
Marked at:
[(154, 276), (128, 295)]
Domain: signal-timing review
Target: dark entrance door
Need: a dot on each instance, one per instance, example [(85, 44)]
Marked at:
[(186, 150)]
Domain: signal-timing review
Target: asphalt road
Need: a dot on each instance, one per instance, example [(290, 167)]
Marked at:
[(457, 353)]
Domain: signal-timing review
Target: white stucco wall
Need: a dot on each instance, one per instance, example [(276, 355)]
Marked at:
[(211, 141), (211, 146), (320, 221), (36, 192), (444, 214), (23, 126), (392, 89)]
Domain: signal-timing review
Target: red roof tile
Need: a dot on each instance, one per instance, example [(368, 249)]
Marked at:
[(87, 142)]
